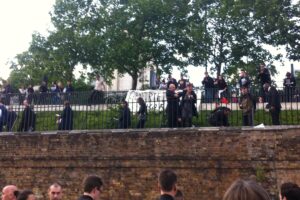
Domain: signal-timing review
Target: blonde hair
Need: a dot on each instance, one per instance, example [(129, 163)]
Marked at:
[(245, 190)]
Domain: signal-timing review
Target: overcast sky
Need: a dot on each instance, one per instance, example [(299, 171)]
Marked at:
[(19, 19)]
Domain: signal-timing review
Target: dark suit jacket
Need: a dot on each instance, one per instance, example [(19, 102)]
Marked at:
[(166, 197), (274, 98), (27, 122), (66, 119), (124, 119)]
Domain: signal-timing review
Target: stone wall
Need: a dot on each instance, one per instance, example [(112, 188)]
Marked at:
[(206, 160)]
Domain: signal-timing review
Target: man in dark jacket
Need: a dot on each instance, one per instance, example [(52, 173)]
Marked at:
[(264, 77), (167, 184), (187, 105), (273, 105), (173, 111), (208, 83), (66, 119), (11, 119), (219, 117), (289, 84), (3, 114), (27, 122), (92, 188), (124, 118)]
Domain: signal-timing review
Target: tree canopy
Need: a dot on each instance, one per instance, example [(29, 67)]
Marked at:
[(131, 35)]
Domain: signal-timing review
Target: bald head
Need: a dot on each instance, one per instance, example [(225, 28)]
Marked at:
[(55, 192), (8, 192)]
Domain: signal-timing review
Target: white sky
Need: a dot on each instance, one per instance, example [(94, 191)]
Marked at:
[(19, 19)]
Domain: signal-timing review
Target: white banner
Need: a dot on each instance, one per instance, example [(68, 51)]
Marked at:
[(155, 100)]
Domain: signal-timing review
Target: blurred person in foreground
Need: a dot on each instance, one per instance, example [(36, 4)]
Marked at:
[(289, 191), (167, 181), (26, 195), (246, 190), (9, 192), (55, 192), (92, 188)]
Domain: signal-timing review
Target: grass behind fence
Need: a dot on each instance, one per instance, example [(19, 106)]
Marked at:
[(84, 120)]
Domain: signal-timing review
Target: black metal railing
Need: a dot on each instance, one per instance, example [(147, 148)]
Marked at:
[(102, 110)]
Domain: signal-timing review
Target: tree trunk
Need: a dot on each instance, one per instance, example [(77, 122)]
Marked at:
[(134, 81), (218, 67)]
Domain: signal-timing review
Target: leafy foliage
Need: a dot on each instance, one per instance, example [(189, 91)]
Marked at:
[(130, 35)]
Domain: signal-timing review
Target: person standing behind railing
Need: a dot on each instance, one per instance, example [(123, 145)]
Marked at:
[(97, 95), (244, 80), (65, 121), (11, 119), (30, 93), (43, 93), (273, 105), (124, 118), (27, 123), (289, 84), (69, 89), (221, 85), (264, 77), (3, 114), (246, 104), (173, 111), (208, 83), (187, 105), (142, 113)]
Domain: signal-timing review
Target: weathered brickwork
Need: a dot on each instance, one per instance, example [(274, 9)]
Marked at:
[(206, 160)]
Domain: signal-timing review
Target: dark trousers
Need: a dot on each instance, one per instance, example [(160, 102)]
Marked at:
[(247, 120), (275, 116), (186, 122), (1, 126), (141, 123), (172, 120)]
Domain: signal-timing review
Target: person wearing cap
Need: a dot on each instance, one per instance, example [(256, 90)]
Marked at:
[(289, 84)]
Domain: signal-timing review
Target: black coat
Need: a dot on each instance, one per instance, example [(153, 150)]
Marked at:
[(273, 99), (125, 118), (11, 118), (166, 197), (142, 112), (208, 82), (219, 118), (264, 76), (85, 197), (173, 110), (66, 119), (27, 122), (193, 101)]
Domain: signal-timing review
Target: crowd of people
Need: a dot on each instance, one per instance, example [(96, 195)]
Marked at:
[(180, 95), (241, 189)]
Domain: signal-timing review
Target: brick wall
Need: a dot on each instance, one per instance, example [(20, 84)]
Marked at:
[(206, 160)]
